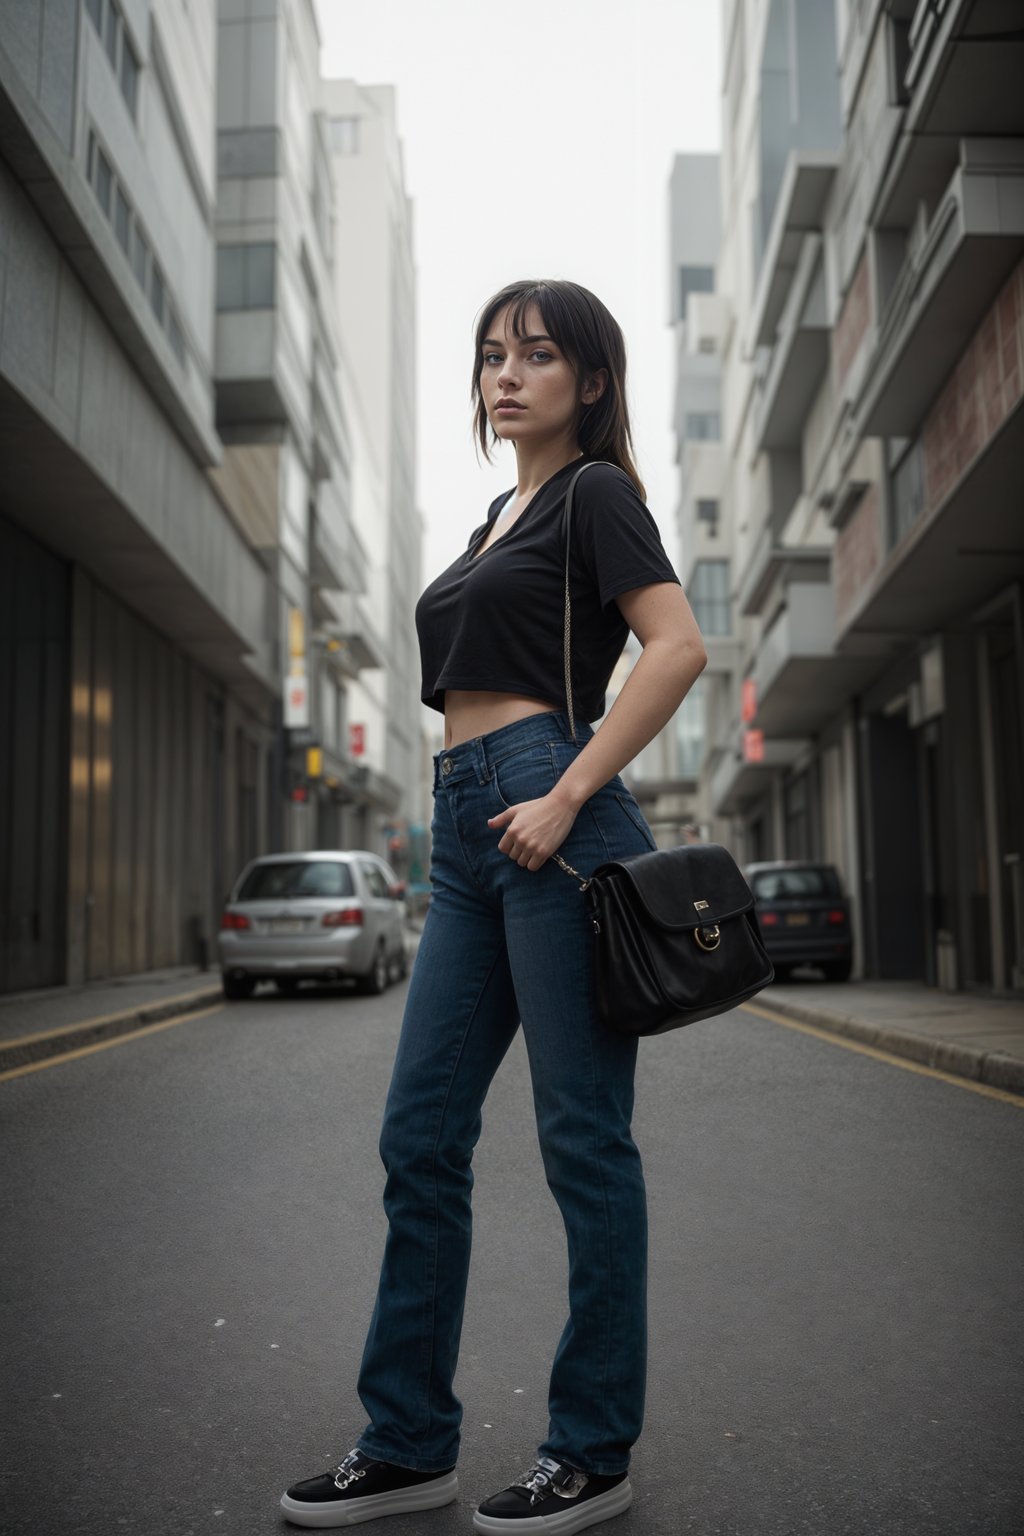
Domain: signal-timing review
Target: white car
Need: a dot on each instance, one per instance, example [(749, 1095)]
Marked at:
[(318, 916)]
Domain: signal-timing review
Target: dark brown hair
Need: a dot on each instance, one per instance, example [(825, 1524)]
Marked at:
[(591, 339)]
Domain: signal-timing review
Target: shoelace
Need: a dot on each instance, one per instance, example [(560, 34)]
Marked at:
[(348, 1472), (548, 1476)]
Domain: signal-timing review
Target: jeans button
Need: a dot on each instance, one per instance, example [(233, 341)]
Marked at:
[(446, 765)]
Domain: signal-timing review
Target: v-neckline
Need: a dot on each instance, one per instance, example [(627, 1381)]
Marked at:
[(478, 553)]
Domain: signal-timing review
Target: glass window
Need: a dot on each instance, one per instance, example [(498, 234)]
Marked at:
[(122, 222), (158, 293), (907, 492), (343, 135), (795, 884), (176, 336), (245, 277), (129, 77), (259, 276), (230, 277), (104, 181), (707, 513), (709, 596), (113, 33), (140, 256), (95, 9), (299, 877), (375, 881), (703, 426), (694, 280)]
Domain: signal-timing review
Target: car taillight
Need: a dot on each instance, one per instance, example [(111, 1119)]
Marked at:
[(235, 920), (768, 919), (351, 917), (836, 919)]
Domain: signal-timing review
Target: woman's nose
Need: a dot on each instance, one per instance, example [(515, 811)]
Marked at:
[(508, 375)]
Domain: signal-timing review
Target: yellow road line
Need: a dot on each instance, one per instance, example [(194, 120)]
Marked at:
[(887, 1056), (104, 1018), (105, 1045)]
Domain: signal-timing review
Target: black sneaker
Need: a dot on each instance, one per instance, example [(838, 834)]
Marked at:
[(554, 1498), (363, 1489)]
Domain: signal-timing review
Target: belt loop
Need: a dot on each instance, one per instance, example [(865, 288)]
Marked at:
[(483, 769)]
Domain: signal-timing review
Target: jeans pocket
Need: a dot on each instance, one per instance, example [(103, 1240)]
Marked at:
[(636, 816), (524, 775)]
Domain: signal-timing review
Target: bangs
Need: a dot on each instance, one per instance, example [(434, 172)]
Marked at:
[(555, 314)]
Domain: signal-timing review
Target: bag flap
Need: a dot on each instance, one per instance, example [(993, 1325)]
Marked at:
[(671, 882)]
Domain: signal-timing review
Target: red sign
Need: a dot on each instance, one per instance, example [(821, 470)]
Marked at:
[(748, 699), (357, 740), (753, 746)]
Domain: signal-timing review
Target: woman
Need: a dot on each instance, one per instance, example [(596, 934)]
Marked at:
[(506, 939)]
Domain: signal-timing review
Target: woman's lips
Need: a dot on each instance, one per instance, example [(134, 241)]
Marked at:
[(508, 410)]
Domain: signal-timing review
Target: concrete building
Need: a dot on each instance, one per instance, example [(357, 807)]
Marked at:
[(186, 598), (374, 292), (137, 670), (873, 371), (288, 458)]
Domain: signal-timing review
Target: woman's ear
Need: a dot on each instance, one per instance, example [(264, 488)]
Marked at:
[(594, 387)]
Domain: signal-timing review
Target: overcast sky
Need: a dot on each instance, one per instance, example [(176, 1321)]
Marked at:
[(538, 142)]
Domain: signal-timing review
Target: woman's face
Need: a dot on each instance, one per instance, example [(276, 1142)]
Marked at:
[(529, 389)]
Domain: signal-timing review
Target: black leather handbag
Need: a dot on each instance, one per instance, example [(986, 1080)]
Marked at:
[(675, 934)]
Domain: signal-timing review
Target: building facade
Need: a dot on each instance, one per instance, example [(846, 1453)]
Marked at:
[(176, 532), (872, 283)]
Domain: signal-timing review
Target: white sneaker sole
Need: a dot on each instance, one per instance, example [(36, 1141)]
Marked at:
[(403, 1501), (604, 1507)]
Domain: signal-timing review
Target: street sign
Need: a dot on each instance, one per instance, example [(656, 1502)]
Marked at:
[(357, 740), (296, 700), (753, 746)]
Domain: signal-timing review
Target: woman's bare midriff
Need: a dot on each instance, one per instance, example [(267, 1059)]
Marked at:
[(469, 714)]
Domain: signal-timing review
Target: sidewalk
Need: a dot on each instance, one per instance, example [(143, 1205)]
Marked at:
[(972, 1036), (54, 1020), (960, 1032)]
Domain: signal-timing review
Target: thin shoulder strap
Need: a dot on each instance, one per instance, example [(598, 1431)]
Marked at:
[(567, 635)]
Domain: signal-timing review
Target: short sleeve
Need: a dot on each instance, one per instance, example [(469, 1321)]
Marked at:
[(617, 538)]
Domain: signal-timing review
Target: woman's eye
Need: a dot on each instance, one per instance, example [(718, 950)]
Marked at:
[(542, 356), (492, 357)]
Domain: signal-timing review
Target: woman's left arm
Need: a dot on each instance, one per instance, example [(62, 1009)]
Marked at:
[(672, 659)]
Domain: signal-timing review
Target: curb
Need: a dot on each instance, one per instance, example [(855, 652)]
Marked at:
[(53, 1043), (995, 1068)]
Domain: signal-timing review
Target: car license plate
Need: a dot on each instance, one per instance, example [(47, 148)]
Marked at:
[(287, 925), (798, 919)]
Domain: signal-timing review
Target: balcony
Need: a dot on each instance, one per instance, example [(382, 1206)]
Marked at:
[(800, 681), (799, 211), (735, 783), (772, 562), (354, 645), (337, 559), (972, 243), (799, 356), (708, 324), (957, 81)]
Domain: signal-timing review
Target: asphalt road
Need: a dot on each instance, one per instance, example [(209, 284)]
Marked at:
[(192, 1230)]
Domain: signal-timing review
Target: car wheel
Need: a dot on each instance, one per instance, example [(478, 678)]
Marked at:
[(837, 970), (237, 988), (286, 984), (376, 979)]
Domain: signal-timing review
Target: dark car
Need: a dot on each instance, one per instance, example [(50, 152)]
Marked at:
[(804, 917)]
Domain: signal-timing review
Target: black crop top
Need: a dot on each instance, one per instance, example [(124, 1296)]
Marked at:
[(495, 622)]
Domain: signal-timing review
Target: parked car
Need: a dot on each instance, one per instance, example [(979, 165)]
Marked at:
[(804, 917), (320, 916)]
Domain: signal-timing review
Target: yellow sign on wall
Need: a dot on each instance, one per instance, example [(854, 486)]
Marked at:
[(314, 762)]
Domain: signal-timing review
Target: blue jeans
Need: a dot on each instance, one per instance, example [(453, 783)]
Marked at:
[(502, 946)]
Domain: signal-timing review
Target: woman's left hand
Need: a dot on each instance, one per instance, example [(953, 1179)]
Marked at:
[(534, 830)]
